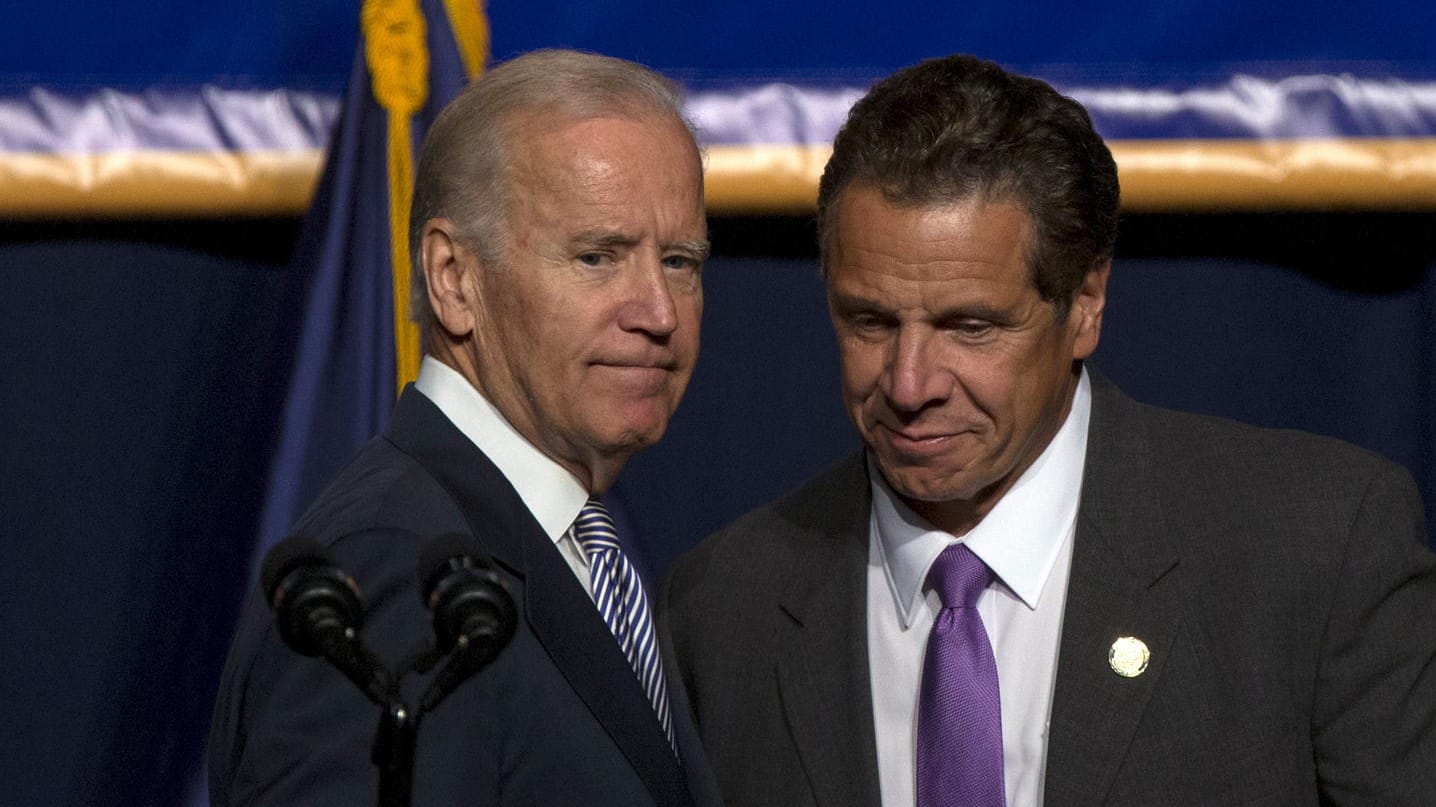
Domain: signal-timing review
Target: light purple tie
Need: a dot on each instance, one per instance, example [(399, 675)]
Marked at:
[(959, 721)]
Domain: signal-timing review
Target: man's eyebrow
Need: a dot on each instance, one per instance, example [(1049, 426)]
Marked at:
[(600, 239), (697, 249), (976, 310), (603, 238), (853, 302)]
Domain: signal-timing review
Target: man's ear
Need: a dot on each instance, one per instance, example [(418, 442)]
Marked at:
[(1085, 316), (448, 271)]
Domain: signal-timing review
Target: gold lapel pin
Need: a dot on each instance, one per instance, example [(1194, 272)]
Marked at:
[(1128, 656)]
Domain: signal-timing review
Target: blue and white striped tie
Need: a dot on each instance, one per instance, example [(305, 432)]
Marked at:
[(618, 593)]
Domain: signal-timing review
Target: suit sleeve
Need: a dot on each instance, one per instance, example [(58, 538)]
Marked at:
[(1374, 716)]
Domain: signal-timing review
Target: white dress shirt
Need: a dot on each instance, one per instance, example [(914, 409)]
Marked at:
[(552, 494), (1026, 540)]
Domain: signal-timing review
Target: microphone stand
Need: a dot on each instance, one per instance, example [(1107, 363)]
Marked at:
[(393, 753), (398, 734)]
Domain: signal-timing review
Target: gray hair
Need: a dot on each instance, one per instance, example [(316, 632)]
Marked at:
[(461, 174)]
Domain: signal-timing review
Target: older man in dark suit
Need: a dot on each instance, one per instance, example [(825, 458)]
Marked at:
[(1030, 589), (558, 230)]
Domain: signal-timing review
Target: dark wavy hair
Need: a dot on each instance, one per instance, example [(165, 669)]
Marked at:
[(954, 128)]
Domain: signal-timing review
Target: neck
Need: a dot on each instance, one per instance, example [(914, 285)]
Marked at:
[(596, 471)]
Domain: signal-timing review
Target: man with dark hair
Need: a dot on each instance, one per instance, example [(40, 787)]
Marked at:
[(1028, 588), (558, 233)]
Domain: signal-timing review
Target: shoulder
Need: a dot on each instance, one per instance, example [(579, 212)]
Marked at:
[(1254, 505), (833, 500), (822, 521), (381, 488), (1211, 458)]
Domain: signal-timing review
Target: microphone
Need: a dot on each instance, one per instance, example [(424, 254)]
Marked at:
[(473, 614), (318, 612)]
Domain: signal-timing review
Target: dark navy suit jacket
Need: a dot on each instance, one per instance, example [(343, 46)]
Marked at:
[(558, 718)]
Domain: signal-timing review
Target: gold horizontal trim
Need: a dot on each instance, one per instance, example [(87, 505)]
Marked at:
[(763, 179), (1157, 176), (1332, 174), (199, 184)]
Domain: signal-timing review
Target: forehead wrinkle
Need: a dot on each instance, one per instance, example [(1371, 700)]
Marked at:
[(907, 270), (553, 166), (915, 212)]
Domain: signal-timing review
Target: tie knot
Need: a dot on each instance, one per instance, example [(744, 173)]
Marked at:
[(959, 577), (594, 528)]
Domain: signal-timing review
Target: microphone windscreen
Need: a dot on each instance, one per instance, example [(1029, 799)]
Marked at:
[(285, 557)]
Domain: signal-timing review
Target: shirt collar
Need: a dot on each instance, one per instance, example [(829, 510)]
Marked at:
[(1020, 537), (552, 494)]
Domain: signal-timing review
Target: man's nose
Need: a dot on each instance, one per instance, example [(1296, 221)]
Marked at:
[(650, 306), (915, 380)]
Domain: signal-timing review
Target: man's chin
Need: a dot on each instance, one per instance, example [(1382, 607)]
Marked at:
[(632, 434), (927, 484)]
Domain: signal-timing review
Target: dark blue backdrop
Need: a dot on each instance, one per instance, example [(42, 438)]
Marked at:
[(140, 359), (138, 44), (138, 411)]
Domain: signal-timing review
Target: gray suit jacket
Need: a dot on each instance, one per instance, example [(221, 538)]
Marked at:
[(1281, 581), (558, 718)]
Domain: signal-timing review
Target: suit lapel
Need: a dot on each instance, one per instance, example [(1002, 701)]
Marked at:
[(569, 627), (1121, 584), (823, 683), (558, 611)]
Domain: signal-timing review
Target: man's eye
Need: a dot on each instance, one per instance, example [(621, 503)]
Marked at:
[(592, 258), (685, 263), (972, 327)]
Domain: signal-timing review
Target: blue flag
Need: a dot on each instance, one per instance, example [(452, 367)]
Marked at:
[(348, 285)]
